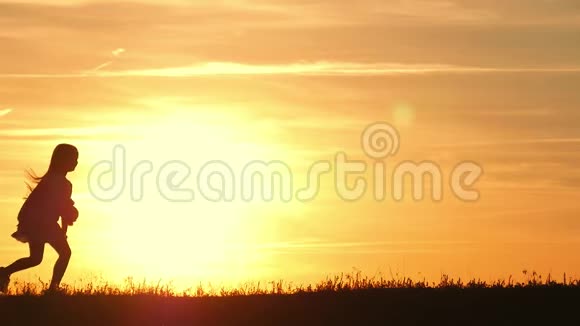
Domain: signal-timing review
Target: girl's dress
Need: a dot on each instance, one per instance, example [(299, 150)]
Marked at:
[(38, 217)]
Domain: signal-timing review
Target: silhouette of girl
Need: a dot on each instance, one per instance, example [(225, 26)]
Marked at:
[(38, 217)]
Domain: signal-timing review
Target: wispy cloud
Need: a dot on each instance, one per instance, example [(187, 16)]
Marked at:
[(115, 53), (320, 68), (101, 66), (4, 112), (437, 31), (64, 132), (513, 142), (361, 247), (307, 68)]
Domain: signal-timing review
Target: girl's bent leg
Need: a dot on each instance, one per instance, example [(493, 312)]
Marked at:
[(64, 253), (36, 254)]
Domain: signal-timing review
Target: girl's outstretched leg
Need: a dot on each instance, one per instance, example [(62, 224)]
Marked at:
[(64, 253), (35, 258), (36, 254)]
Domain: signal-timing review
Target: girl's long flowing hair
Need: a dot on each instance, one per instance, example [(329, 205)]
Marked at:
[(60, 155), (33, 180)]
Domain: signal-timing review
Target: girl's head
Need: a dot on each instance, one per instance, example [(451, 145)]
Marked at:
[(64, 159)]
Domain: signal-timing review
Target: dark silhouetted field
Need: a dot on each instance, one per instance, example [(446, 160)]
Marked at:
[(336, 301)]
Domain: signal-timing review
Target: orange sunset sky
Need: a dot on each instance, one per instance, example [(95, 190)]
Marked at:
[(494, 82)]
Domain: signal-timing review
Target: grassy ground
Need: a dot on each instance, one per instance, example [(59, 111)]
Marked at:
[(341, 300)]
